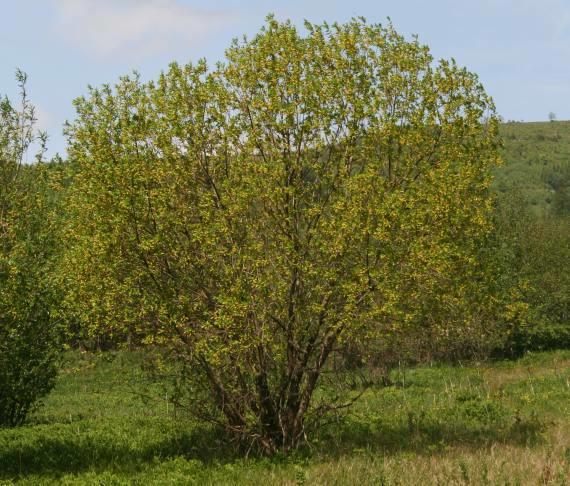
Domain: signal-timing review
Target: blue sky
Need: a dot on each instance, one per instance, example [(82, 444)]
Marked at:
[(519, 48)]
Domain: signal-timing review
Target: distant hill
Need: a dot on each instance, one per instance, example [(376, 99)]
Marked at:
[(537, 165)]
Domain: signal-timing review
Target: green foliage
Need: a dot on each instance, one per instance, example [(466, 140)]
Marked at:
[(532, 240), (311, 191), (28, 337), (535, 261)]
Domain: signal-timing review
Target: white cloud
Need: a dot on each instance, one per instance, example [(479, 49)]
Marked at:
[(111, 29), (45, 121)]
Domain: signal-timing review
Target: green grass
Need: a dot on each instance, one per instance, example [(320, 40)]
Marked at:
[(502, 423)]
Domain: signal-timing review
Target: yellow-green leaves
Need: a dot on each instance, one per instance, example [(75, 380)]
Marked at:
[(311, 190)]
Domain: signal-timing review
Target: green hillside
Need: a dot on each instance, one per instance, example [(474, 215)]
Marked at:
[(537, 165)]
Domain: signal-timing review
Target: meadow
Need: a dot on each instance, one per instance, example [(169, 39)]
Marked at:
[(506, 422)]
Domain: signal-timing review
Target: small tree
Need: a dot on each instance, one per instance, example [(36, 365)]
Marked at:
[(311, 191), (27, 337)]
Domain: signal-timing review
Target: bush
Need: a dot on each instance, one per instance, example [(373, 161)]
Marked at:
[(533, 255), (312, 192), (28, 356), (28, 336)]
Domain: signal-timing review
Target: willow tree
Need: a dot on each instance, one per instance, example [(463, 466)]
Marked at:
[(311, 190)]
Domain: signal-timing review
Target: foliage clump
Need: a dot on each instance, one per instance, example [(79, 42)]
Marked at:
[(311, 192), (28, 338)]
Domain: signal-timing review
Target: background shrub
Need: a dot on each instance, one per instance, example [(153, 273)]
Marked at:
[(28, 334)]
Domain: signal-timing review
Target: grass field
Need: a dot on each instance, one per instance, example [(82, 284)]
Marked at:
[(501, 423)]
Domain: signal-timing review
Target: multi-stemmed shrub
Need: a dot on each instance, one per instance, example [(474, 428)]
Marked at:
[(313, 190)]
